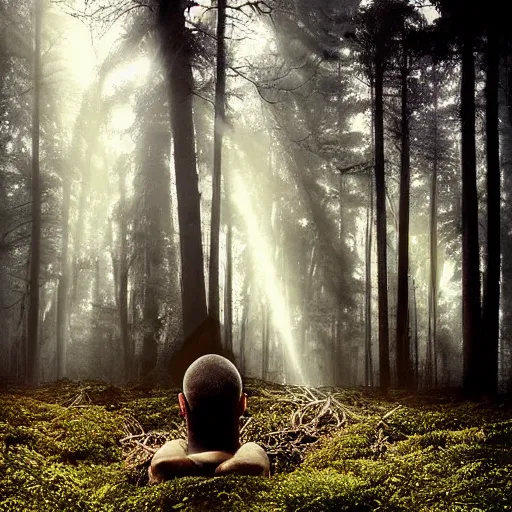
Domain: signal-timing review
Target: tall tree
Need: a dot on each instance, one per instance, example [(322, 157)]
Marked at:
[(177, 49), (402, 310), (220, 93), (470, 242), (35, 247), (461, 20), (377, 28), (63, 286), (491, 296), (155, 212), (407, 51), (380, 192), (431, 366), (123, 274)]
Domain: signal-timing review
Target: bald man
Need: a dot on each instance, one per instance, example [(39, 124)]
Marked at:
[(211, 403)]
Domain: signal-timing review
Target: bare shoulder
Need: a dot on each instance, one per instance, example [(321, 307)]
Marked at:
[(176, 447), (171, 461), (250, 459)]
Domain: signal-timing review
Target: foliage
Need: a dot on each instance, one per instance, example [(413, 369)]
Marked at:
[(61, 451)]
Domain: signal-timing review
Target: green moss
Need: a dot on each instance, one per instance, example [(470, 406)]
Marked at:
[(323, 490), (439, 456), (161, 413), (353, 442)]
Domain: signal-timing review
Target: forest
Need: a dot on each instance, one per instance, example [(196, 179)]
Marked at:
[(324, 181), (316, 189)]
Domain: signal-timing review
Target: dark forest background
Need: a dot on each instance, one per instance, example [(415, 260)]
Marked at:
[(326, 181)]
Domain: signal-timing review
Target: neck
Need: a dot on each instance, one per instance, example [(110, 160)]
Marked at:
[(224, 439)]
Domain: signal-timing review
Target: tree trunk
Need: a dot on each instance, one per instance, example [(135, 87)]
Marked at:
[(380, 191), (244, 324), (265, 342), (220, 89), (153, 171), (177, 49), (92, 107), (471, 314), (368, 287), (306, 302), (403, 359), (431, 370), (123, 277), (63, 286), (491, 298), (368, 257), (228, 292), (32, 371)]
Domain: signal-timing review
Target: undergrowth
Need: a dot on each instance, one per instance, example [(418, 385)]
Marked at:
[(64, 447)]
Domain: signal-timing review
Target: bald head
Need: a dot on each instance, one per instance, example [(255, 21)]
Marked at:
[(212, 382)]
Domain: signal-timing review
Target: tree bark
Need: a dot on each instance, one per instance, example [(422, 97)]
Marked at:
[(431, 370), (228, 291), (403, 358), (380, 191), (177, 49), (220, 90), (491, 298), (368, 257), (244, 324), (63, 286), (471, 314), (33, 348)]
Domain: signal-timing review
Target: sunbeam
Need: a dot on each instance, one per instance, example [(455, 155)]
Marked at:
[(261, 254)]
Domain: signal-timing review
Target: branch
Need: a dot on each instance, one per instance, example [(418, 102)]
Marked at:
[(343, 170), (259, 7), (21, 224), (14, 303)]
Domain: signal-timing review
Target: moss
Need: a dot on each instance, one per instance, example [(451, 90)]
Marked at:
[(161, 413), (438, 455), (353, 442), (322, 490)]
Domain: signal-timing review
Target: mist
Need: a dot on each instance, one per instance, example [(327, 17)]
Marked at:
[(308, 185)]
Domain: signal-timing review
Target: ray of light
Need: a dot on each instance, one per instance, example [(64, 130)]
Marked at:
[(261, 253)]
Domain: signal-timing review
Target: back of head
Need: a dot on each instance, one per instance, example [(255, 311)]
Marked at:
[(212, 386)]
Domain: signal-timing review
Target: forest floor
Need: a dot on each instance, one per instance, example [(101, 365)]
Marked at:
[(86, 446)]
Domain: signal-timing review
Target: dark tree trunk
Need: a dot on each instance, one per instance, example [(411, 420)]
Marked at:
[(228, 292), (414, 309), (471, 314), (380, 192), (368, 288), (244, 324), (491, 298), (63, 286), (32, 371), (431, 369), (368, 257), (177, 50), (220, 90), (403, 359)]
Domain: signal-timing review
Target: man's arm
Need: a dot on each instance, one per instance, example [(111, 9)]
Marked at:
[(250, 459)]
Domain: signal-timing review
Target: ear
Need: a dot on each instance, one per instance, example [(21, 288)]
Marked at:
[(183, 407), (242, 405)]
